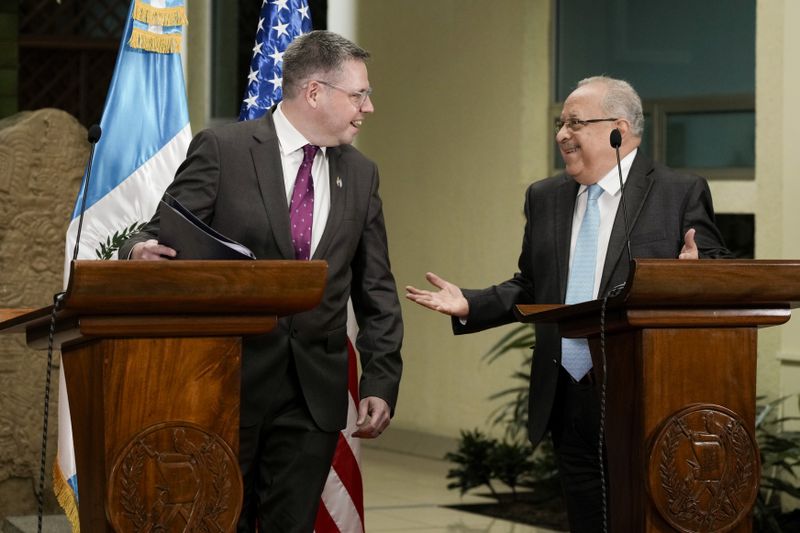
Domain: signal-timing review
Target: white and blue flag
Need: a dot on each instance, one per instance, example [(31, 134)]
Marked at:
[(145, 135), (145, 127)]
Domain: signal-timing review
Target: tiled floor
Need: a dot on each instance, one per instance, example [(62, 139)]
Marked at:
[(406, 493)]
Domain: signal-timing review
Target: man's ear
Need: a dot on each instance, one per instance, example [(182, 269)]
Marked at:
[(624, 128), (312, 92)]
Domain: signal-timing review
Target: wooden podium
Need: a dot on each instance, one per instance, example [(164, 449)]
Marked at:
[(152, 355), (680, 354)]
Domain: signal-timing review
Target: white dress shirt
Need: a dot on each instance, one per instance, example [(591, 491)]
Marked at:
[(291, 144), (607, 203)]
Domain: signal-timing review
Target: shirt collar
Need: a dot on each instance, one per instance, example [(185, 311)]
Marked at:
[(610, 182), (289, 139)]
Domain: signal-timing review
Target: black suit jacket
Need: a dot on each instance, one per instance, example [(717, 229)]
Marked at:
[(662, 205), (233, 180)]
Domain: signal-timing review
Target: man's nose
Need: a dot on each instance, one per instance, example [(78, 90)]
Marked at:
[(367, 106), (563, 134)]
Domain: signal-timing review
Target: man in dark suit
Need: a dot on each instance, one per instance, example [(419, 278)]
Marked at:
[(290, 186), (670, 216)]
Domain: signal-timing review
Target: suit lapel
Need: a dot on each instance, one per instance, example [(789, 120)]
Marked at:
[(338, 181), (565, 207), (637, 187), (267, 162)]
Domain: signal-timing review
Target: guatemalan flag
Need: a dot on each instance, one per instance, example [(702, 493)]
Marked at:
[(341, 509), (146, 133)]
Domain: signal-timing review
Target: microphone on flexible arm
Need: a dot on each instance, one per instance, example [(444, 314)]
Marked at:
[(93, 137), (58, 301), (616, 142)]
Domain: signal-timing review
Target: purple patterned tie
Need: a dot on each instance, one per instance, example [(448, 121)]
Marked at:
[(301, 208)]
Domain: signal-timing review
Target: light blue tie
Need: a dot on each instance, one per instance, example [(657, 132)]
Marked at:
[(575, 356)]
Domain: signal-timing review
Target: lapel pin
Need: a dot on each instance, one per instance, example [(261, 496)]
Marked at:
[(338, 182)]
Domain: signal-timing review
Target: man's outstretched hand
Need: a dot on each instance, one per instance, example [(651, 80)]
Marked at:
[(447, 300)]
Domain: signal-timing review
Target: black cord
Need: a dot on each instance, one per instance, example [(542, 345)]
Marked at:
[(58, 299), (603, 415)]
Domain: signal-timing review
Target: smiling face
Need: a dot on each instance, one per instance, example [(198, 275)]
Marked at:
[(586, 152), (338, 114)]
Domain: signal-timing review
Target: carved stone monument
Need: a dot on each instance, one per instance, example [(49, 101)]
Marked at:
[(42, 158)]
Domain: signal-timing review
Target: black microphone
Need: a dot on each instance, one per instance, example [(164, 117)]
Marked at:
[(94, 136), (616, 142)]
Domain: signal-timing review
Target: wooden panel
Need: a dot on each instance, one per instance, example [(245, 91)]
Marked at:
[(8, 314), (652, 375), (171, 325), (705, 291), (164, 287), (583, 320), (624, 450), (681, 367), (685, 366), (714, 283), (72, 329), (703, 318), (156, 380), (122, 387), (83, 370), (184, 289)]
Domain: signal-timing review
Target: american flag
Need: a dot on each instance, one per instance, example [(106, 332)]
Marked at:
[(341, 508), (279, 22)]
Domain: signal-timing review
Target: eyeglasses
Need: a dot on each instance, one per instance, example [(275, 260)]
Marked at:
[(575, 124), (358, 97)]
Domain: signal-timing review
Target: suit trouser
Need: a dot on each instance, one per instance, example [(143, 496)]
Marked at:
[(285, 459), (575, 428)]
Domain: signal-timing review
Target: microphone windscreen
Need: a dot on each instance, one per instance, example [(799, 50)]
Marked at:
[(616, 138), (94, 133)]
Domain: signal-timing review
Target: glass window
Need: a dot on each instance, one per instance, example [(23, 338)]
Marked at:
[(710, 140), (681, 48)]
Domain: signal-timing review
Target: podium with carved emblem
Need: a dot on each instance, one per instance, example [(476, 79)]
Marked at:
[(151, 354), (680, 356)]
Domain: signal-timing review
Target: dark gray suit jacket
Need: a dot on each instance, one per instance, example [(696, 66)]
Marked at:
[(232, 179), (662, 205)]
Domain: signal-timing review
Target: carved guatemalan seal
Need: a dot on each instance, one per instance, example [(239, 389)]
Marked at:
[(704, 469), (175, 477)]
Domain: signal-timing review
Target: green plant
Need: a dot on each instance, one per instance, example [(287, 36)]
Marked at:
[(481, 459), (472, 459), (510, 462), (780, 457)]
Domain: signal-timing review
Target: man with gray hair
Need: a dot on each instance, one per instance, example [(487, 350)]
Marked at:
[(572, 251), (290, 186)]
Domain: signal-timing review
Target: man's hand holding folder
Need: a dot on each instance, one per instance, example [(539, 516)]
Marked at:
[(184, 236), (151, 250)]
